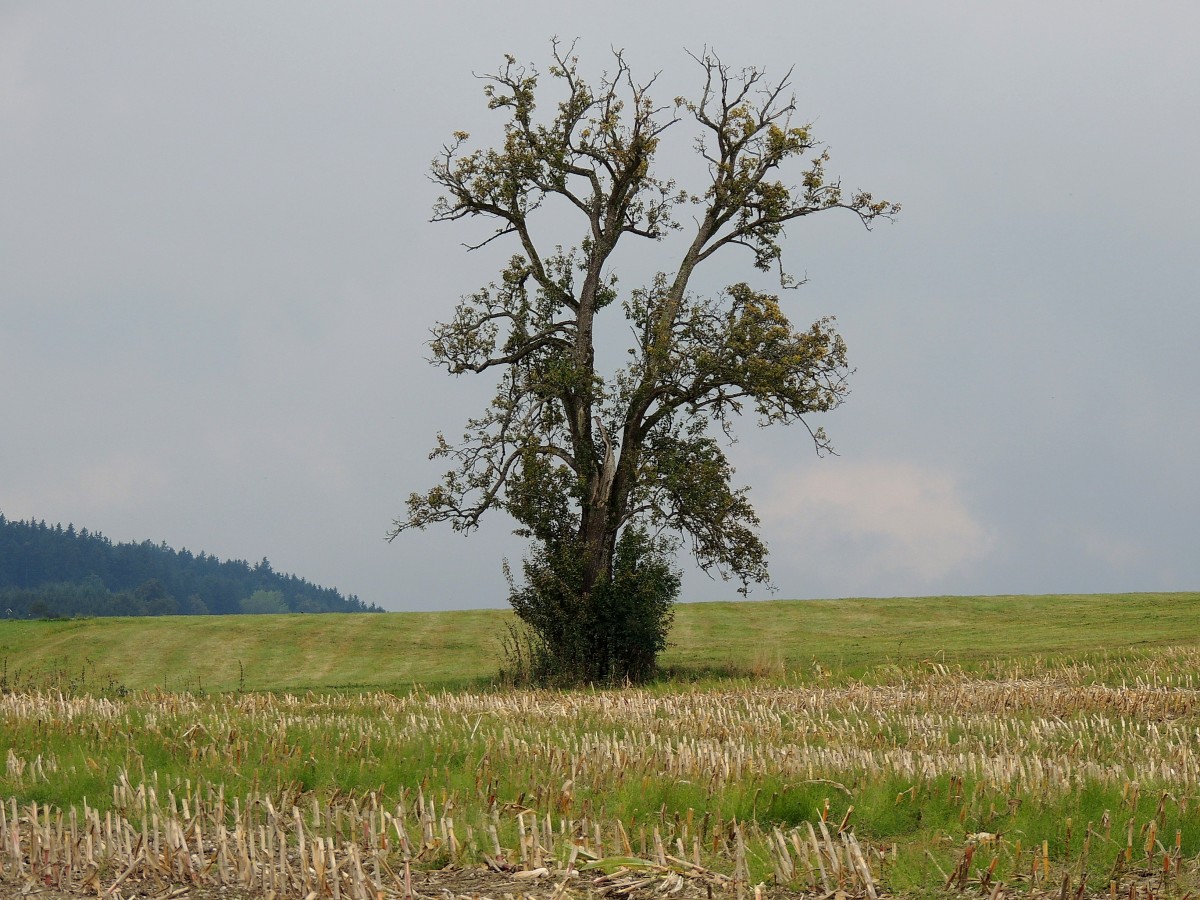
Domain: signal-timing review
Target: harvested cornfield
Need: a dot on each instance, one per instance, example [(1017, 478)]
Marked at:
[(1064, 777)]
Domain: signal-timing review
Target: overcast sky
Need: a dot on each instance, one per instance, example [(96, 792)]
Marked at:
[(217, 275)]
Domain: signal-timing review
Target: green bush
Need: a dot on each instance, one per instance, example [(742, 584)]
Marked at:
[(612, 634)]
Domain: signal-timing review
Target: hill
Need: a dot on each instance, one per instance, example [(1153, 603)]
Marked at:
[(299, 652), (50, 571)]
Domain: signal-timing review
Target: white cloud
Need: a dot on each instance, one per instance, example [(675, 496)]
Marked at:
[(886, 527)]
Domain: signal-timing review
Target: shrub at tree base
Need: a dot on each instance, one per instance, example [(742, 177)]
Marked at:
[(613, 633)]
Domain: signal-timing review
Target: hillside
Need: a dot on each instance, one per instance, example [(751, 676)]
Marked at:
[(47, 571), (299, 652)]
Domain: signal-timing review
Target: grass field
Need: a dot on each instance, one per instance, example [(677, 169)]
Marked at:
[(1047, 746), (298, 652)]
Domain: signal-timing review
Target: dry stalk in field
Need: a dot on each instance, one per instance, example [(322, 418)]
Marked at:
[(345, 850), (709, 778)]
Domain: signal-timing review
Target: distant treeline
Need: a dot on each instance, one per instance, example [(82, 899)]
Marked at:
[(49, 571)]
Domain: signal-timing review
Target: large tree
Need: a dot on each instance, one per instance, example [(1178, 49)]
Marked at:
[(602, 469)]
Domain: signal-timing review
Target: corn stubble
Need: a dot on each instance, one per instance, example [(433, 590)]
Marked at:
[(1058, 778)]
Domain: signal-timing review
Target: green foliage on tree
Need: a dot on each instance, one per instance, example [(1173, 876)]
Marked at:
[(614, 636), (592, 464)]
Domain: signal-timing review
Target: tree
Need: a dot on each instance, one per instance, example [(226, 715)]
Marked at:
[(262, 603), (155, 599), (194, 605), (607, 474)]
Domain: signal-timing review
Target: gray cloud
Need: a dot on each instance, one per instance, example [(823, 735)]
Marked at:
[(216, 277)]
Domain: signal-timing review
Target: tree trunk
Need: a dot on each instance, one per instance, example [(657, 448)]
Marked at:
[(598, 543), (598, 525)]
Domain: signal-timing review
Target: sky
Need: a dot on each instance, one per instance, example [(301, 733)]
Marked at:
[(218, 276)]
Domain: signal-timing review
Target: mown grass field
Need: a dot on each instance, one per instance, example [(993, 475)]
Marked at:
[(298, 652), (1041, 746)]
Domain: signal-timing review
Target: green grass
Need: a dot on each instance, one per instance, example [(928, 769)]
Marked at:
[(454, 649), (928, 757), (1068, 720), (856, 634)]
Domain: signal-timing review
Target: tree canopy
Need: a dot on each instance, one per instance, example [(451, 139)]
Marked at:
[(585, 459)]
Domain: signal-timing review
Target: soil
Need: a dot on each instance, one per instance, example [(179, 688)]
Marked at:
[(447, 884)]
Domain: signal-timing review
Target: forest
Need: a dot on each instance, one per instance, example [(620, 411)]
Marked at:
[(48, 571)]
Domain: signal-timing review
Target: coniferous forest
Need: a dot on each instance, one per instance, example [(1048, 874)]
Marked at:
[(47, 571)]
